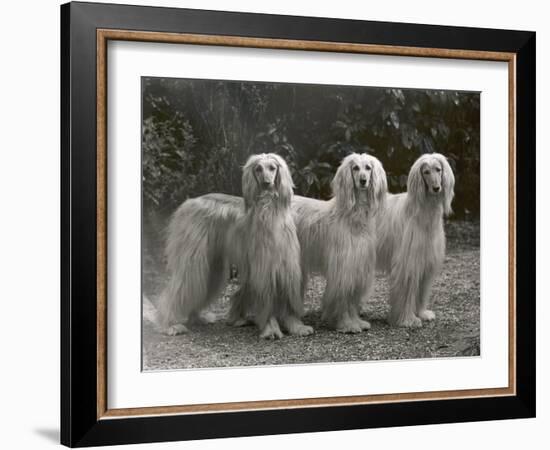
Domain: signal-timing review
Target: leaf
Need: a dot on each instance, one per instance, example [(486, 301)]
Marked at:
[(394, 119), (310, 178), (324, 165), (443, 130), (347, 134), (407, 137), (398, 94), (428, 145)]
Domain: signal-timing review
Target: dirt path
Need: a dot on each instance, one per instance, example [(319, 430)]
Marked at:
[(454, 333)]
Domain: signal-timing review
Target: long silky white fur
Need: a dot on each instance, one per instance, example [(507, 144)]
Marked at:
[(411, 242), (267, 255), (197, 262), (338, 240), (259, 236)]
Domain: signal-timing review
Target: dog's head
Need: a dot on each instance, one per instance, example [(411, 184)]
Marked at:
[(431, 176), (266, 173), (360, 176)]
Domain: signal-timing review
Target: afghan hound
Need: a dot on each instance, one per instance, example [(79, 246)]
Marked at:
[(411, 239), (208, 233), (338, 239)]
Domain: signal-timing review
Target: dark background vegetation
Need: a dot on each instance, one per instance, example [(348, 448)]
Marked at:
[(197, 134)]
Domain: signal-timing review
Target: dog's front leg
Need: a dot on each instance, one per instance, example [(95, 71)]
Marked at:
[(271, 330), (296, 327), (423, 300)]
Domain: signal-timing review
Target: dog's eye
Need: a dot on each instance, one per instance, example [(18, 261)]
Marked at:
[(258, 168), (438, 169), (426, 172), (355, 168), (271, 168), (368, 167)]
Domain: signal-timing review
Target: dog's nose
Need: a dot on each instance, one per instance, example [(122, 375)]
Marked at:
[(266, 184), (363, 181), (436, 188)]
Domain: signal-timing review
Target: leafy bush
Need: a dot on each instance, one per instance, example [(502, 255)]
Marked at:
[(197, 135)]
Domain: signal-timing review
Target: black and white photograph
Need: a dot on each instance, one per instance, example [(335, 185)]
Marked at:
[(287, 223)]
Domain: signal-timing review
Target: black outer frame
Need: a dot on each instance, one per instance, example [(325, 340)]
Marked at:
[(79, 424)]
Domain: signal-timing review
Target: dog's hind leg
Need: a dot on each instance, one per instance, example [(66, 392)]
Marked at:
[(189, 291), (171, 316), (239, 310), (217, 280)]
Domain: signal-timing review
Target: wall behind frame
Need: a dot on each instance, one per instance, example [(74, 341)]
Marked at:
[(29, 229)]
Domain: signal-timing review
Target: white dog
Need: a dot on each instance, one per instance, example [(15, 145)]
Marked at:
[(411, 239), (209, 232), (338, 238)]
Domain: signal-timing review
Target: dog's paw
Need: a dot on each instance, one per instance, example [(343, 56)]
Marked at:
[(207, 317), (301, 330), (271, 334), (427, 315), (176, 329), (363, 324), (413, 322), (348, 327), (410, 322), (271, 331)]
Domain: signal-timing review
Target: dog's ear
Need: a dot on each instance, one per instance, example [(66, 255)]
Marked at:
[(378, 185), (415, 183), (249, 182), (283, 180), (447, 183), (342, 184)]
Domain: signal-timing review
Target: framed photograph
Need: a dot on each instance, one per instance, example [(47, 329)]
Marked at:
[(276, 224)]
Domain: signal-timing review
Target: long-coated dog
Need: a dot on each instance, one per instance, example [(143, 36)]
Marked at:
[(338, 239), (411, 239), (208, 233)]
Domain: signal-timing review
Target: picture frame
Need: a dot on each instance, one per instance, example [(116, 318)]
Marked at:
[(86, 418)]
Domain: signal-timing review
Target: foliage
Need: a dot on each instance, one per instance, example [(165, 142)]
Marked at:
[(197, 134)]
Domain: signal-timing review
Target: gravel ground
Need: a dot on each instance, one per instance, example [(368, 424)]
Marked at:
[(454, 333)]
